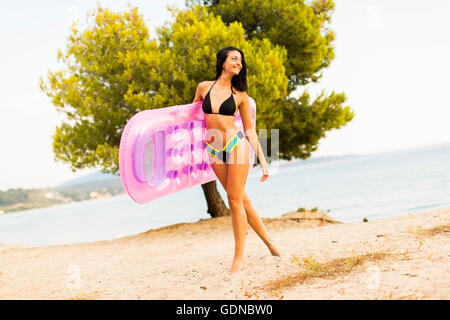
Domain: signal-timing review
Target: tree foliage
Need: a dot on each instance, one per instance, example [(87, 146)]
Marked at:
[(13, 196), (114, 70), (298, 27)]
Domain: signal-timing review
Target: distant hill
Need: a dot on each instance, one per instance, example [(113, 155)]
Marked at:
[(89, 179), (93, 186)]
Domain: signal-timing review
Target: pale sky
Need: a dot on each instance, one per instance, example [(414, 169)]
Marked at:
[(391, 62)]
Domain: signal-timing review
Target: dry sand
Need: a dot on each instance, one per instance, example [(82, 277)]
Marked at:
[(191, 261)]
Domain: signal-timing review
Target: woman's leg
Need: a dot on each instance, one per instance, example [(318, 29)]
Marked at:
[(253, 218), (255, 221), (238, 168)]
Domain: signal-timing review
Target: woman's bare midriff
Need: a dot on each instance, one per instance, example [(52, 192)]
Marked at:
[(218, 126)]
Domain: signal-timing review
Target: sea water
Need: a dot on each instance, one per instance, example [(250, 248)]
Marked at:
[(347, 188)]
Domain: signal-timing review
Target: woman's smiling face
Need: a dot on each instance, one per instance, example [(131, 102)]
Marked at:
[(233, 63)]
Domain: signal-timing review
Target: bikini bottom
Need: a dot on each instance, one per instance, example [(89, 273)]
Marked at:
[(225, 154)]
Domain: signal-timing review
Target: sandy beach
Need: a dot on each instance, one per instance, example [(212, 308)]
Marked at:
[(406, 257)]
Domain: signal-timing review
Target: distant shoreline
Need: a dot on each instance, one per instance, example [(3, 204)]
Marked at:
[(26, 206)]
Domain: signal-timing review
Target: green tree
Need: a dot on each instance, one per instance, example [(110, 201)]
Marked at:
[(303, 30), (13, 196), (114, 70)]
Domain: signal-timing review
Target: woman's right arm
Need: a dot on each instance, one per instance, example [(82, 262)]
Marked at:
[(198, 92)]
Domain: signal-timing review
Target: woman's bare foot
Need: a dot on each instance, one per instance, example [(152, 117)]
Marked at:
[(237, 265)]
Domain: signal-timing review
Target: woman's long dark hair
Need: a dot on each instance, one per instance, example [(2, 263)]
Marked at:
[(238, 81)]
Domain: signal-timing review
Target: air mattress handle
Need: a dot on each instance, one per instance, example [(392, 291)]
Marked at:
[(150, 148)]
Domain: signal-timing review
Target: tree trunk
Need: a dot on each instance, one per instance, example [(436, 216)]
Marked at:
[(216, 205)]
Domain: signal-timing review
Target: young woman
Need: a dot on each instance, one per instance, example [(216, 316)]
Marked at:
[(228, 152)]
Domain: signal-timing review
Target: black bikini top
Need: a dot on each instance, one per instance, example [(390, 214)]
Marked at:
[(227, 108)]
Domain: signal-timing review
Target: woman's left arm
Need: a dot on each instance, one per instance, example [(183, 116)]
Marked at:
[(250, 131)]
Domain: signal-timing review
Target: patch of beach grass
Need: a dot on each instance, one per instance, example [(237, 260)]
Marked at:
[(302, 209), (431, 232), (310, 269)]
